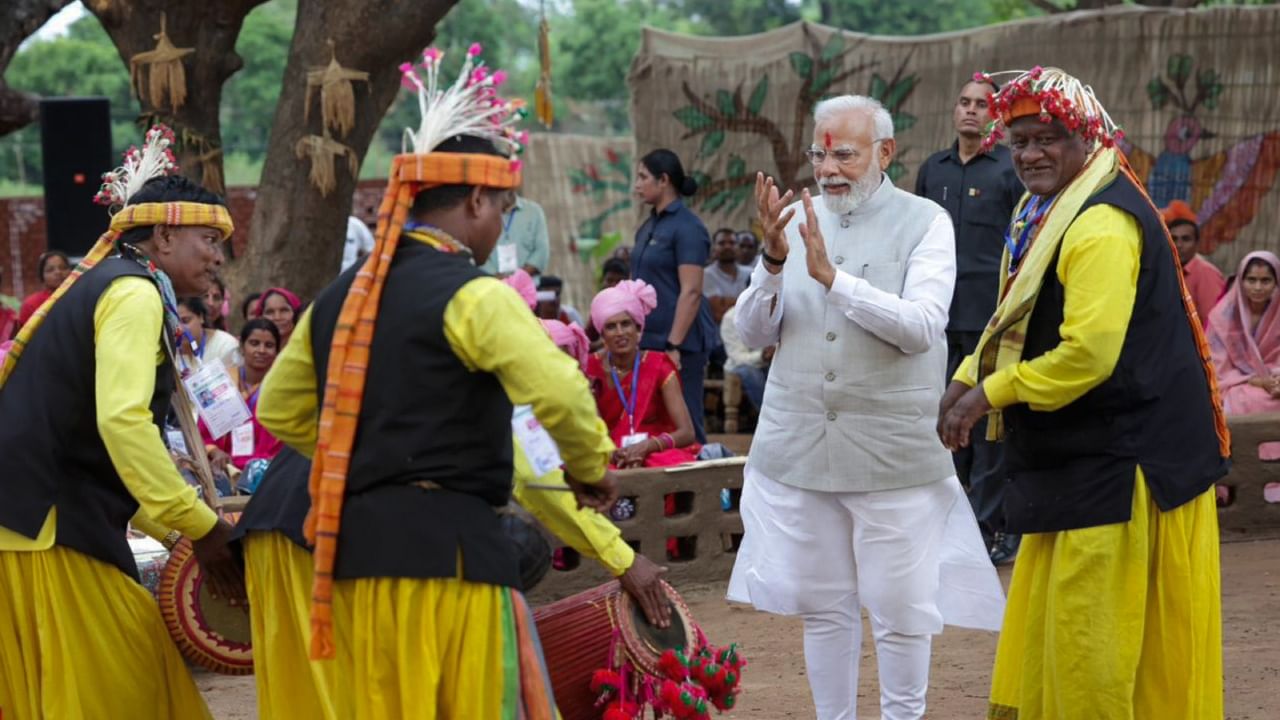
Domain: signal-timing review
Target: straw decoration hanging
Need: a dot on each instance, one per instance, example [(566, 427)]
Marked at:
[(337, 97), (542, 92), (324, 153), (165, 77)]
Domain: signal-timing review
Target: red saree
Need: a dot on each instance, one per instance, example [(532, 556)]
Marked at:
[(651, 416)]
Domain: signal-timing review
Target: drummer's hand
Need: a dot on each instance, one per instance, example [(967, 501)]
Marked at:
[(599, 496), (219, 565), (642, 583)]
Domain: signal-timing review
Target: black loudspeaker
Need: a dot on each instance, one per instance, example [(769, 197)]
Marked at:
[(75, 139)]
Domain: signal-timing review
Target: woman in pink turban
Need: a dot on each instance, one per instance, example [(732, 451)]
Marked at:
[(638, 392), (281, 307), (571, 338)]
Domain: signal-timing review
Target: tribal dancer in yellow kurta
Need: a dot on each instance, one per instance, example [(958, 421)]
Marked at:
[(421, 356), (82, 454), (1100, 385)]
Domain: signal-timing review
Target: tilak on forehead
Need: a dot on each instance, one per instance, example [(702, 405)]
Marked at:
[(826, 139)]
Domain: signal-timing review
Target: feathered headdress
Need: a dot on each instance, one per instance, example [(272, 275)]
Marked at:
[(1051, 94), (155, 159), (470, 106)]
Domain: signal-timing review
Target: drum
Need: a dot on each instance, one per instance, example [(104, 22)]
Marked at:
[(583, 633), (209, 633)]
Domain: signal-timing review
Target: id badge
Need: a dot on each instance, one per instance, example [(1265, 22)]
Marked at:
[(217, 399), (634, 439), (507, 259), (242, 440), (539, 448)]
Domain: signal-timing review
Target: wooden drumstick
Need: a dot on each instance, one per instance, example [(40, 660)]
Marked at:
[(561, 488), (195, 445)]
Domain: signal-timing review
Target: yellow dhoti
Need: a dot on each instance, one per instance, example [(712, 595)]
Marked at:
[(278, 580), (80, 639), (425, 649), (1120, 621)]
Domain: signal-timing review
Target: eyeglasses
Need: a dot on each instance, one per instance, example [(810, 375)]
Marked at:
[(844, 155)]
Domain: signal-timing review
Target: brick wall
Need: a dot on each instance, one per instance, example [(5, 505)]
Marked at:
[(23, 231)]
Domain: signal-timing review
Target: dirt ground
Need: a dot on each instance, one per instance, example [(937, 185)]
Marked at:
[(774, 684)]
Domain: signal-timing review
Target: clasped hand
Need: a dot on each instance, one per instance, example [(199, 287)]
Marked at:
[(961, 408), (770, 212)]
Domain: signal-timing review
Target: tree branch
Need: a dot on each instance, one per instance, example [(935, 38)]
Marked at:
[(754, 125)]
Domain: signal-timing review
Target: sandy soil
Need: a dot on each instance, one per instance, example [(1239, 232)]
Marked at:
[(775, 686)]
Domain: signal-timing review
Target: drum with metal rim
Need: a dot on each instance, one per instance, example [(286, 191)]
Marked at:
[(209, 632), (579, 632)]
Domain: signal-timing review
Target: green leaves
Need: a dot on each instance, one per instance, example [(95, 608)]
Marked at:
[(737, 167), (802, 64), (724, 101), (1179, 69), (758, 95), (711, 143), (1158, 92), (693, 118), (878, 87), (834, 47), (1210, 87), (903, 122)]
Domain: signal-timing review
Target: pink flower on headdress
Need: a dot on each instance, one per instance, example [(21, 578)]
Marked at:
[(516, 165), (431, 55), (499, 77), (478, 75), (523, 137), (474, 50), (1036, 72), (406, 67)]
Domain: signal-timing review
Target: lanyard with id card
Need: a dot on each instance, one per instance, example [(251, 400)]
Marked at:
[(629, 403), (539, 448), (217, 398)]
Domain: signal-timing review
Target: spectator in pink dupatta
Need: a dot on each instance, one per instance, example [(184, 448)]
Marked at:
[(281, 307), (1244, 337)]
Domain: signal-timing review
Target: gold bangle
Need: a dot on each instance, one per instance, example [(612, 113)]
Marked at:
[(171, 539)]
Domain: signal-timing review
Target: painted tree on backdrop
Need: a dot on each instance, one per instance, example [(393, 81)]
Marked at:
[(19, 21), (297, 229), (822, 72)]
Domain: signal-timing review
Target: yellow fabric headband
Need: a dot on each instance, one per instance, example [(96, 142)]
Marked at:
[(173, 213)]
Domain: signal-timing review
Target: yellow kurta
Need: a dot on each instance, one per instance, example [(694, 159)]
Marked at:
[(79, 638), (438, 647), (1118, 621)]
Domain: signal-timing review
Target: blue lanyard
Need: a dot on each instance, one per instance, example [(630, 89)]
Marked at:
[(253, 397), (628, 405), (1023, 227), (511, 216)]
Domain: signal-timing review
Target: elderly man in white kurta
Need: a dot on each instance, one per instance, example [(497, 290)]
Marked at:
[(850, 500)]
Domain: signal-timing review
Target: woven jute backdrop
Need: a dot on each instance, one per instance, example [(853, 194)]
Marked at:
[(1197, 92), (584, 186)]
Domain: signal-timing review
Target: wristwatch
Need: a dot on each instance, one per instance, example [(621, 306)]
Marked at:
[(670, 346)]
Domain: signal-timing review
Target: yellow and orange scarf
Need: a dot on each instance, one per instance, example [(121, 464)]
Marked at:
[(349, 358)]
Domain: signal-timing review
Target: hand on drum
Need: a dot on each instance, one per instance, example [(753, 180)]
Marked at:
[(642, 583), (599, 496), (218, 563)]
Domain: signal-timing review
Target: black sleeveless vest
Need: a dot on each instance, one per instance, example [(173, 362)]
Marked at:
[(424, 417), (1074, 467), (50, 450)]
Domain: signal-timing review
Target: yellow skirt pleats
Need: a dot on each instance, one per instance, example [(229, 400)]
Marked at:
[(278, 577), (1120, 622), (80, 639), (418, 649)]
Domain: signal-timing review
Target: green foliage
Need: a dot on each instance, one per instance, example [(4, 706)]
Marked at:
[(82, 63), (249, 97), (761, 90), (1158, 93)]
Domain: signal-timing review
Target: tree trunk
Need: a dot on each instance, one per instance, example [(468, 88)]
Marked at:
[(18, 22), (297, 233), (211, 29)]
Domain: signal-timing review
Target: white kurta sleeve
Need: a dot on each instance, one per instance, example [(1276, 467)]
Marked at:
[(916, 320), (758, 314)]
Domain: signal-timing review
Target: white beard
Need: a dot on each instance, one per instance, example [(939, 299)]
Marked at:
[(859, 192)]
